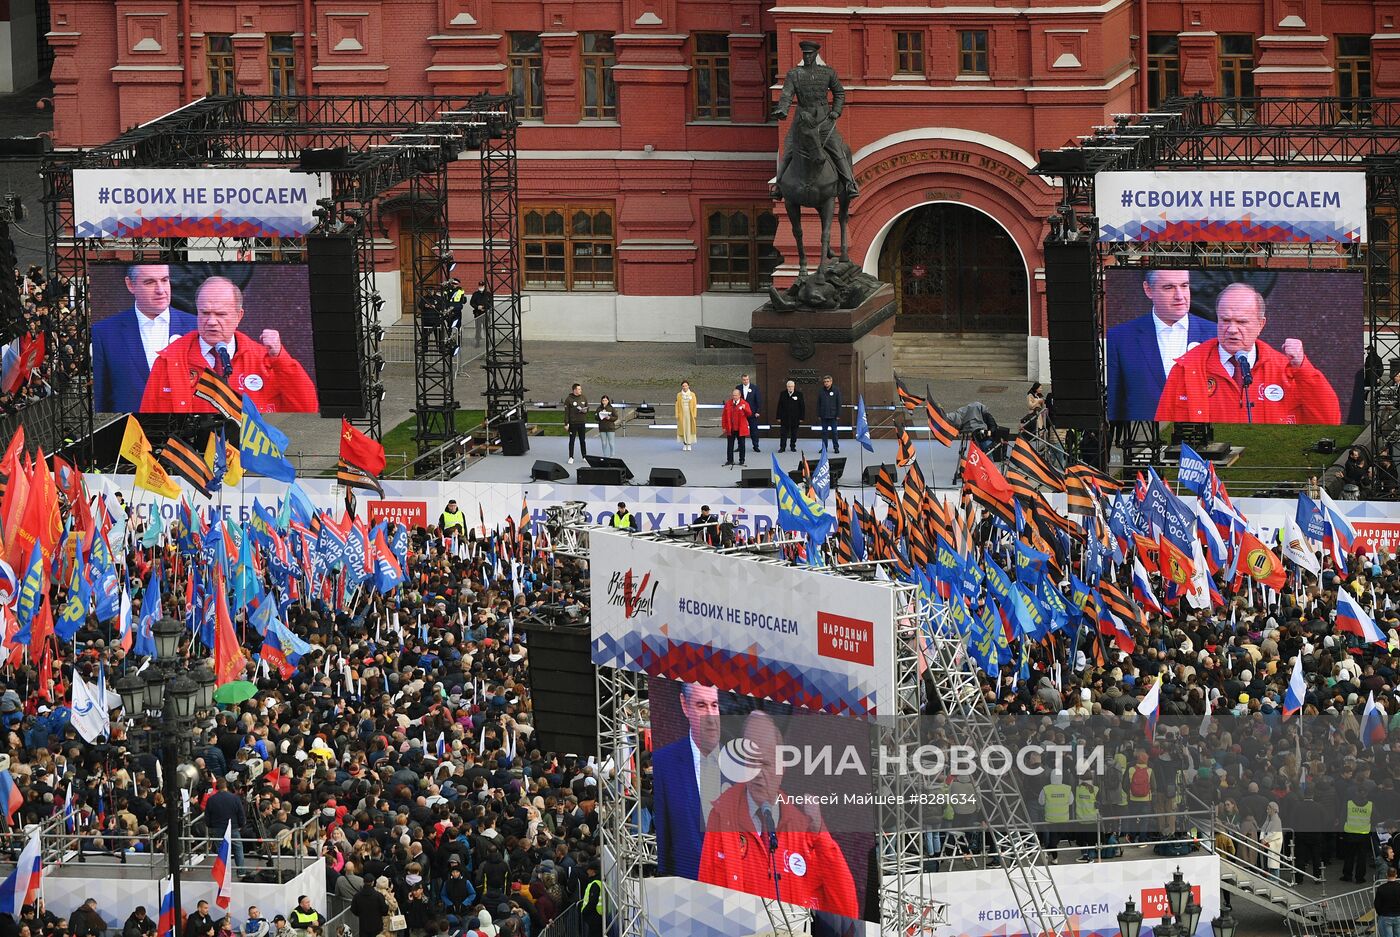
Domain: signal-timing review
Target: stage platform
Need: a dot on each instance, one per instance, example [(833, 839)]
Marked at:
[(644, 450)]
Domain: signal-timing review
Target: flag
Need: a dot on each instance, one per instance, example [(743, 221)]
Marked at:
[(1351, 617), (229, 662), (31, 357), (232, 467), (165, 925), (1081, 494), (125, 633), (986, 483), (22, 885), (352, 477), (1338, 535), (151, 476), (906, 454), (1193, 472), (1142, 588), (1032, 464), (1373, 722), (135, 447), (1261, 563), (388, 571), (910, 401), (1297, 688), (943, 431), (187, 463), (1297, 549), (263, 446), (223, 871), (1175, 565), (144, 640), (214, 390), (863, 426), (1150, 706), (89, 714), (820, 479), (799, 512), (10, 797), (360, 450)]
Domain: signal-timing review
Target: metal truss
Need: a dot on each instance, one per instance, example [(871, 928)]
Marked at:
[(624, 715), (1002, 806), (400, 147), (1213, 133), (500, 213)]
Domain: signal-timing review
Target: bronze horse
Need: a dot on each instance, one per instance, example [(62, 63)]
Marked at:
[(810, 181)]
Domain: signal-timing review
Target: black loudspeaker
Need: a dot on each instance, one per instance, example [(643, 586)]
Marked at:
[(514, 439), (563, 691), (756, 478), (323, 159), (871, 474), (548, 471), (666, 477), (836, 466), (610, 475), (1074, 342), (335, 310), (602, 461)]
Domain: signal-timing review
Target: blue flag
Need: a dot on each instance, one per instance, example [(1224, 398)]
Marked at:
[(821, 479), (1193, 472), (262, 447), (31, 590), (857, 534), (862, 426), (154, 528), (796, 511), (144, 642), (106, 586), (1310, 519), (220, 464), (74, 611), (1168, 514)]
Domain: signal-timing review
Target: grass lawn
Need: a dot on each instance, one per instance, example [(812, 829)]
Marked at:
[(400, 447), (1276, 453)]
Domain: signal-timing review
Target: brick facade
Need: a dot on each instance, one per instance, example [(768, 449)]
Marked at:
[(960, 122)]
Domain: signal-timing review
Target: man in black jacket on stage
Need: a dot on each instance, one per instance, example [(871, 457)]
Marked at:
[(791, 409)]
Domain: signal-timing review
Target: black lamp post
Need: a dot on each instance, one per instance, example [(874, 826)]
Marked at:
[(1129, 920), (1183, 915), (1223, 926), (163, 704)]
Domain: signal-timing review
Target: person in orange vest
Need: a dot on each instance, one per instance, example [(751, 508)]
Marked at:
[(1235, 378), (264, 370), (759, 842)]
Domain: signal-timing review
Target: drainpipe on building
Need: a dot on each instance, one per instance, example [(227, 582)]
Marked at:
[(307, 23), (188, 26), (1142, 55)]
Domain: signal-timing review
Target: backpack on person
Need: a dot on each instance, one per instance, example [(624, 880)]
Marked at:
[(1140, 782)]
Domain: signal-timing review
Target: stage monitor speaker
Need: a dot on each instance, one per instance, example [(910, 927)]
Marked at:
[(515, 440), (602, 461), (755, 478), (548, 471), (1074, 340), (335, 310), (666, 477), (837, 466), (871, 474), (563, 688), (609, 475), (323, 159)]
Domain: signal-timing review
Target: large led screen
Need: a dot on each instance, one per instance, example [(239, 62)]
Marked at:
[(1224, 346), (156, 328)]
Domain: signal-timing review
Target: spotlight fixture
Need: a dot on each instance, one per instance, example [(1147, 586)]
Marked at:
[(378, 362)]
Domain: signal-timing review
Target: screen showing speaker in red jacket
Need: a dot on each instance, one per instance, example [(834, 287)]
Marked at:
[(158, 327), (731, 809), (1231, 346)]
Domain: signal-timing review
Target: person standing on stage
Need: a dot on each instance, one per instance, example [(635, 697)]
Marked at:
[(754, 399), (791, 409), (735, 423), (686, 415), (606, 415), (829, 412), (576, 418)]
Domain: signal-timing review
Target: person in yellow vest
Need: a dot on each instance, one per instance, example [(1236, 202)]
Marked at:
[(623, 519), (1056, 800), (1356, 835), (452, 520), (1086, 813), (1139, 783), (591, 908)]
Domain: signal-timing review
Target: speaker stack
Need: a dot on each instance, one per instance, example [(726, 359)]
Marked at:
[(335, 310), (1074, 340)]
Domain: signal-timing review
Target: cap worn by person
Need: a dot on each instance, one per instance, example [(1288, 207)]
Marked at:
[(809, 45)]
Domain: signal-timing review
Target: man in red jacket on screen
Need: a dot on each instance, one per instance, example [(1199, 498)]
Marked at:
[(761, 842), (1235, 378), (265, 371)]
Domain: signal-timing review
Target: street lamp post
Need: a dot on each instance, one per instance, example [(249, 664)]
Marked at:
[(164, 703), (1182, 918)]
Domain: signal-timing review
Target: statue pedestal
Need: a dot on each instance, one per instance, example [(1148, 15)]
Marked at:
[(855, 346)]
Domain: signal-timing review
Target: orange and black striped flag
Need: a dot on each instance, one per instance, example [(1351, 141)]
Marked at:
[(187, 463), (938, 424), (844, 553), (936, 516), (866, 519), (1032, 464), (352, 477), (1023, 487), (1105, 483), (884, 486), (1047, 516), (912, 502), (906, 449), (1080, 490), (1120, 605), (215, 391), (910, 401)]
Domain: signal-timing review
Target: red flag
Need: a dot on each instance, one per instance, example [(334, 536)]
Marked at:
[(1147, 551), (1261, 562), (45, 680), (986, 483), (1175, 565), (12, 512), (360, 450), (31, 356), (42, 520), (70, 481), (41, 627), (229, 662)]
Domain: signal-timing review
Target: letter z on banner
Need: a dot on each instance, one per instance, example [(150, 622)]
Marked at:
[(162, 203), (1220, 206), (789, 634)]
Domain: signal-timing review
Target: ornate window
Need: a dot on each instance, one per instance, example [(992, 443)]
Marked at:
[(569, 247), (739, 252)]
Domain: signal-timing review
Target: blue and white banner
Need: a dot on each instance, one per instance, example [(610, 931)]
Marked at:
[(175, 203), (1219, 206)]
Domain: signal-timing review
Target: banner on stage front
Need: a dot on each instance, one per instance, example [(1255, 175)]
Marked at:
[(1274, 207), (812, 639), (173, 203)]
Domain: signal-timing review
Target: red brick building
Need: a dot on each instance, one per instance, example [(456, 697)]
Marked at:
[(648, 147)]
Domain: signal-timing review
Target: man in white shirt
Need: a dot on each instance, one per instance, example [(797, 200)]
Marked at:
[(1142, 351), (125, 345), (686, 780)]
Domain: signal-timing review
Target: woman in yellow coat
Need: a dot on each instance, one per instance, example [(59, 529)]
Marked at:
[(686, 419)]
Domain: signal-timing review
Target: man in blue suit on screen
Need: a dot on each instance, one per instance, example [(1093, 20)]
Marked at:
[(1141, 351), (686, 779), (124, 346)]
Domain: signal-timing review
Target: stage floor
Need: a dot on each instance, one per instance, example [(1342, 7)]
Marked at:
[(702, 466)]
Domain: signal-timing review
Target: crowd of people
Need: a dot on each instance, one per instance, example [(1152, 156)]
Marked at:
[(400, 747), (45, 311)]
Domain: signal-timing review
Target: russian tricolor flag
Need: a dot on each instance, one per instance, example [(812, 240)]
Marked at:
[(442, 746), (1372, 723), (22, 886), (1350, 617), (1338, 536), (1142, 587), (223, 870), (1150, 706), (165, 924), (10, 797), (1297, 689)]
